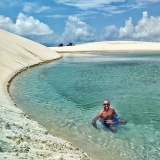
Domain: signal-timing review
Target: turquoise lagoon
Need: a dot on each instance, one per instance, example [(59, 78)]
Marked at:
[(64, 96)]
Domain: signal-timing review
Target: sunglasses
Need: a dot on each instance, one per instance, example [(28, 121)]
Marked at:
[(106, 104)]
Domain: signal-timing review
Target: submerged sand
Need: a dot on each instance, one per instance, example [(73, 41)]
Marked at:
[(20, 136)]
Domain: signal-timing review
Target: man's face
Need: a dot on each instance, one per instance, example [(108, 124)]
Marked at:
[(106, 105)]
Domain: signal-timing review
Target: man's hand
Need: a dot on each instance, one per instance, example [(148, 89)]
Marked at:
[(108, 121)]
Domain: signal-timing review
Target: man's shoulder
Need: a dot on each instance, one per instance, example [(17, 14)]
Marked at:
[(101, 111), (112, 108)]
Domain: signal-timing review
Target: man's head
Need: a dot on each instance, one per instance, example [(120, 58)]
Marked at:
[(106, 104)]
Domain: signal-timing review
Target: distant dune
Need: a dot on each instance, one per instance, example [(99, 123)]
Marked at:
[(111, 47)]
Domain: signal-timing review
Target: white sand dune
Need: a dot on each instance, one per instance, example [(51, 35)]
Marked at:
[(21, 137), (110, 47)]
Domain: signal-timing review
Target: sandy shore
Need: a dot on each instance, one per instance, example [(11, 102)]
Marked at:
[(111, 47), (20, 136)]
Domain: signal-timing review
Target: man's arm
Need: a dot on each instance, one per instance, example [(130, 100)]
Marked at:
[(94, 122), (95, 119)]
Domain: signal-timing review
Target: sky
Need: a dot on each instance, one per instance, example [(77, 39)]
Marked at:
[(51, 22)]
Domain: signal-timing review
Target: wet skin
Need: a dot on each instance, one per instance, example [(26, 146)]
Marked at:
[(106, 114)]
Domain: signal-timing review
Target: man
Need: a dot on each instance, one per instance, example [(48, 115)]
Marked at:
[(108, 117)]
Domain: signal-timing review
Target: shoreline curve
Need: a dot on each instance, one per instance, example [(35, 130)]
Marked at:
[(20, 136)]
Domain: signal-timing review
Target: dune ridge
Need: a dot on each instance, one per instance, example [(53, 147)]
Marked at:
[(111, 47)]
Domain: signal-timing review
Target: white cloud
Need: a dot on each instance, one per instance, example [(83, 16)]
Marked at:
[(107, 7), (142, 3), (13, 4), (28, 7), (111, 31), (6, 3), (25, 25), (89, 4), (33, 7), (148, 29), (128, 30), (57, 16), (101, 4), (147, 1), (77, 31), (6, 23), (42, 9)]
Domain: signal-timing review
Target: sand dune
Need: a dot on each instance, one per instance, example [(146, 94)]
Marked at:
[(20, 136), (111, 47)]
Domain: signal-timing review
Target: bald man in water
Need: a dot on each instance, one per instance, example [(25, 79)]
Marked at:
[(108, 117)]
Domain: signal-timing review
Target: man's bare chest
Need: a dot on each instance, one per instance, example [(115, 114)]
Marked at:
[(107, 114)]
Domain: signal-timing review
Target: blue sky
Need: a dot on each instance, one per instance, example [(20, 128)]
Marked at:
[(51, 22)]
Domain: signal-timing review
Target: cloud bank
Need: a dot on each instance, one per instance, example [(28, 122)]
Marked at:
[(25, 25), (33, 7), (89, 4), (109, 6), (148, 28), (77, 30)]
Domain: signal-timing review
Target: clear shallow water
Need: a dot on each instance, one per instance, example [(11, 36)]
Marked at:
[(64, 96)]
